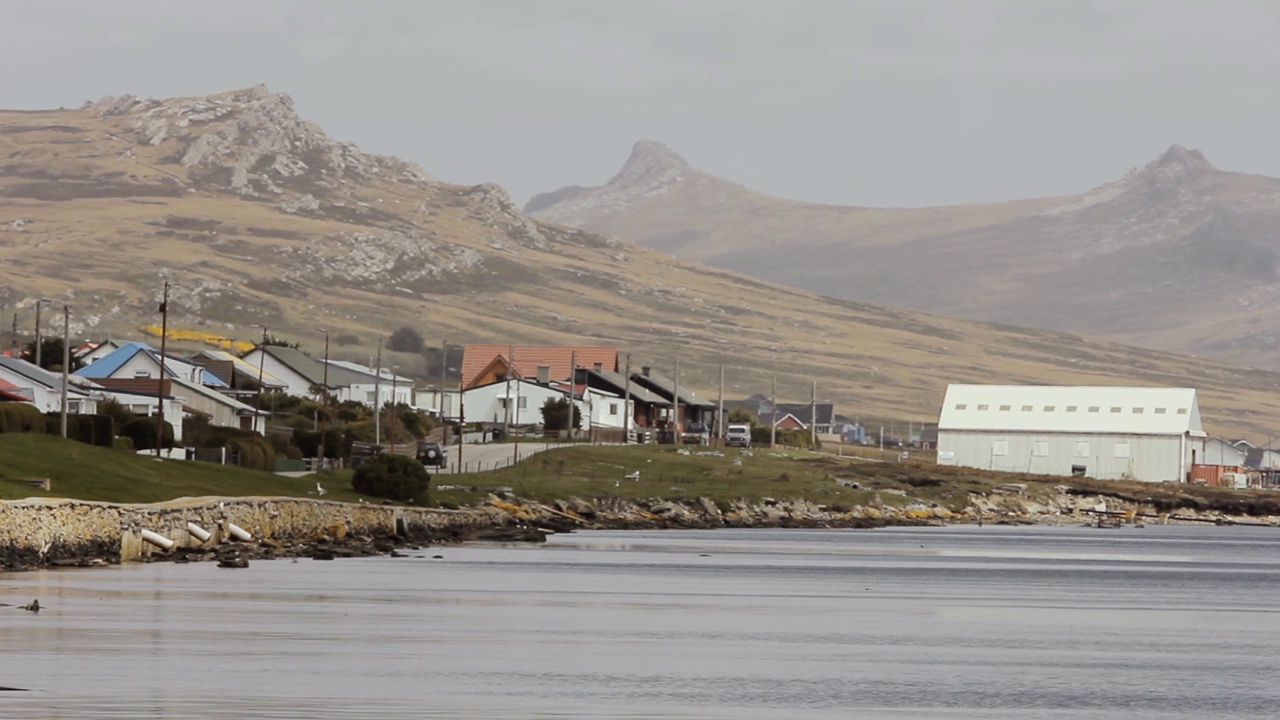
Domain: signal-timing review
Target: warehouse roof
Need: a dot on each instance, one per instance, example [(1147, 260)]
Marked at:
[(1070, 409)]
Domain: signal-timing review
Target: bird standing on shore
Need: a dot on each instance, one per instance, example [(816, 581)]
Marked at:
[(320, 490), (33, 607)]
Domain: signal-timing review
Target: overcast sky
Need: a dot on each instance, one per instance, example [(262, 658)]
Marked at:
[(866, 102)]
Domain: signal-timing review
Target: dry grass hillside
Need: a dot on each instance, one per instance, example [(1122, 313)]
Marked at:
[(257, 216), (1177, 255)]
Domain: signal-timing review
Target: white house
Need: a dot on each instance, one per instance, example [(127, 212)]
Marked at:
[(296, 370), (1140, 433), (1221, 452), (44, 389), (516, 401), (369, 385), (135, 361), (144, 405)]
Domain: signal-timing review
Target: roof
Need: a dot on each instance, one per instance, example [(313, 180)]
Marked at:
[(665, 387), (367, 374), (38, 375), (1074, 409), (11, 392), (297, 361), (527, 358), (242, 367), (639, 393), (803, 412), (109, 364)]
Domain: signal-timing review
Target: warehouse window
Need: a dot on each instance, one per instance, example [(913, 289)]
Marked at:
[(1122, 449), (1160, 411), (1137, 411), (982, 407), (1027, 408), (1182, 411), (961, 406), (1116, 409), (1040, 448), (1000, 447), (1004, 408), (1082, 449), (1049, 408), (1071, 408), (1094, 408)]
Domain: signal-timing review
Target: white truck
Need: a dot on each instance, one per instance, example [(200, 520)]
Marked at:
[(738, 436)]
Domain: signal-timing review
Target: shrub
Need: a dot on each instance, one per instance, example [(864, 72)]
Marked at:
[(17, 417), (142, 431), (405, 339), (398, 477), (253, 452), (97, 430)]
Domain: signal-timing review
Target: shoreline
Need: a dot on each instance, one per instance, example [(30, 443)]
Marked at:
[(45, 533)]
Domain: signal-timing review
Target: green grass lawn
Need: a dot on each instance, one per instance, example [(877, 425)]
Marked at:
[(86, 472)]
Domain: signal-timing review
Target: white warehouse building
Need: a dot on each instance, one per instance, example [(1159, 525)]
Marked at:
[(1111, 433)]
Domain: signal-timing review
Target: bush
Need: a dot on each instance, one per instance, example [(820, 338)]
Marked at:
[(405, 339), (142, 431), (253, 452), (17, 417), (784, 438), (97, 430), (398, 477)]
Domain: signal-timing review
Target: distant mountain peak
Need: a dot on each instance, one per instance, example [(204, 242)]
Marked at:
[(652, 165), (1184, 157)]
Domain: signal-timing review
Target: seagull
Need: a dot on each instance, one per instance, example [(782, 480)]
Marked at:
[(33, 607), (320, 490)]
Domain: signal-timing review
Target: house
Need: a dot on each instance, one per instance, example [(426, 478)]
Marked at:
[(143, 403), (647, 406), (301, 375), (1143, 433), (44, 389), (367, 385), (484, 364), (928, 439), (1222, 452), (241, 377), (193, 398), (90, 352), (516, 401), (11, 393), (1263, 458), (136, 360), (692, 407)]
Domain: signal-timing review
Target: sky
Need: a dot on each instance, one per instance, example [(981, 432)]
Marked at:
[(869, 102)]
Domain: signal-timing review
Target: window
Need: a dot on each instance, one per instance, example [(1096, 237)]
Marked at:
[(613, 408), (1137, 411), (1071, 408), (982, 407), (1000, 447), (369, 398), (1094, 408), (1122, 449), (524, 402), (1004, 408), (1040, 448), (1027, 408), (1050, 408), (962, 406), (1082, 449), (1160, 411), (1115, 409), (1182, 411)]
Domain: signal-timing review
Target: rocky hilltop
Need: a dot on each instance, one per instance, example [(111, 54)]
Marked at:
[(257, 217), (1175, 255)]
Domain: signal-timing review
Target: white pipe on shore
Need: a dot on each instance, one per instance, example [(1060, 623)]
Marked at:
[(238, 532), (198, 532), (157, 539)]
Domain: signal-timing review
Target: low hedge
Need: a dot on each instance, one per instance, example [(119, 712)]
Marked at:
[(19, 417)]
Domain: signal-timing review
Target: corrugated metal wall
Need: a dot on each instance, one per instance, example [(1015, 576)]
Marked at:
[(1151, 458)]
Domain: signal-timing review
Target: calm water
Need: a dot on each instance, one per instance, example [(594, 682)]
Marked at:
[(1158, 622)]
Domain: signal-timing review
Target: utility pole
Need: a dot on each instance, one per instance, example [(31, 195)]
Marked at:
[(377, 398), (13, 334), (515, 446), (675, 400), (164, 336), (506, 416), (262, 363), (813, 415), (391, 431), (66, 361), (573, 374), (773, 414), (720, 408), (462, 420), (626, 403), (324, 389), (444, 367), (39, 304)]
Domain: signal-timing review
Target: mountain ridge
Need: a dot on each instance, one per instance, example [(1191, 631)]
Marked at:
[(1108, 261)]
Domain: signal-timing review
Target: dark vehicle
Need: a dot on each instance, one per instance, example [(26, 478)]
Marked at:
[(432, 454), (695, 433)]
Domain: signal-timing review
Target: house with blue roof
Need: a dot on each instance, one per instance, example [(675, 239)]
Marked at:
[(136, 360)]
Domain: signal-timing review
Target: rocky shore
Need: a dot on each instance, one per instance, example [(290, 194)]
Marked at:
[(60, 533)]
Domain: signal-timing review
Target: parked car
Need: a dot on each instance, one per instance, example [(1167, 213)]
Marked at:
[(432, 454), (695, 433), (738, 436)]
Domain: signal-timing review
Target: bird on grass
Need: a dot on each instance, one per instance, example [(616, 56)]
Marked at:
[(320, 490)]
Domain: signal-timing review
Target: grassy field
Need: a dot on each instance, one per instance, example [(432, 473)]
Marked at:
[(590, 472)]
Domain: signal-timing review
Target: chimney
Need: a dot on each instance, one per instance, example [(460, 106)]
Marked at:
[(599, 367), (544, 374), (645, 370)]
